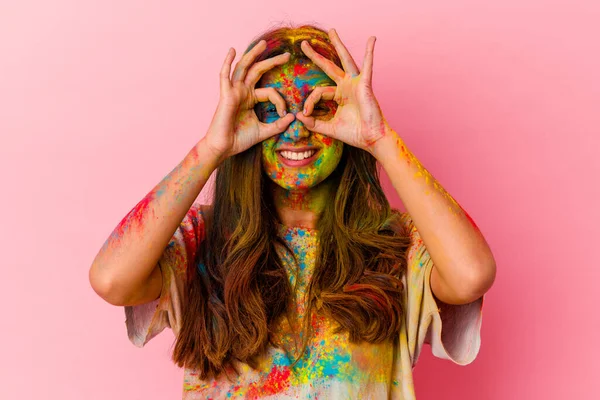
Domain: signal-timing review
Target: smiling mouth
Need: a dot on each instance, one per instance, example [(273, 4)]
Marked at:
[(297, 158), (297, 155)]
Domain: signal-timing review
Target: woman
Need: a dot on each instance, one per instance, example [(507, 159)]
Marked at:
[(299, 281)]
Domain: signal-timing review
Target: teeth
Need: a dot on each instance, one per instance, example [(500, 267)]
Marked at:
[(295, 155)]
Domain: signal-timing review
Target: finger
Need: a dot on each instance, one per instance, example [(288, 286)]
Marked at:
[(317, 125), (225, 83), (267, 130), (367, 66), (332, 70), (270, 94), (319, 93), (247, 59), (347, 60), (261, 67)]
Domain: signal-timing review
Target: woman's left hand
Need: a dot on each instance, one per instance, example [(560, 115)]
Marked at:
[(358, 120)]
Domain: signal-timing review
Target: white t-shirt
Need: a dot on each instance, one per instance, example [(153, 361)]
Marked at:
[(332, 367)]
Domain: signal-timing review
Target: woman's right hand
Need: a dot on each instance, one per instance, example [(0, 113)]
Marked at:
[(235, 127)]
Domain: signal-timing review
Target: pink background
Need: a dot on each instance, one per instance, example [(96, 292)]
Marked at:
[(500, 100)]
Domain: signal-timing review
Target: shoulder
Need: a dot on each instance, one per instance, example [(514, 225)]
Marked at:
[(199, 210), (192, 229), (198, 214)]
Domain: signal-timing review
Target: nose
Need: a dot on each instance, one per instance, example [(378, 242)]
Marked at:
[(295, 132)]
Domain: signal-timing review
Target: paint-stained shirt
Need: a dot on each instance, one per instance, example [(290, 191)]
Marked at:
[(332, 367)]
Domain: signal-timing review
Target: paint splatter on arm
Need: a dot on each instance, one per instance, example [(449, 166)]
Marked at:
[(463, 260), (130, 254)]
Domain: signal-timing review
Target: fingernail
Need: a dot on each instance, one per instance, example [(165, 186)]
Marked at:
[(284, 112), (304, 111)]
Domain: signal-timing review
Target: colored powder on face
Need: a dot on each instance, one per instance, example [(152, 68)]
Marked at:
[(300, 69), (295, 81)]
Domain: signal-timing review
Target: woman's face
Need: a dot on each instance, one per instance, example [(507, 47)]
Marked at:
[(298, 158)]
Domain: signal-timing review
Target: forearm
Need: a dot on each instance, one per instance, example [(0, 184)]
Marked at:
[(133, 249), (459, 251)]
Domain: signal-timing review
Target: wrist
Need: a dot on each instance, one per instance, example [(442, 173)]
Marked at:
[(385, 144), (211, 155)]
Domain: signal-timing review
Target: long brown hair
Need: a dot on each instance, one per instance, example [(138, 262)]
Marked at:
[(240, 289)]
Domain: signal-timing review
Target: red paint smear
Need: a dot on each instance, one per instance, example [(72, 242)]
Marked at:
[(136, 214), (193, 232), (276, 382), (327, 141), (299, 69), (469, 218)]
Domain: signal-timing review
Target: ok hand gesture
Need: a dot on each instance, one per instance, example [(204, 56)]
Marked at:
[(358, 120), (235, 126)]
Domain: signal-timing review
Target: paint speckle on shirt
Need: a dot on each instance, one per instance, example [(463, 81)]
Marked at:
[(332, 367)]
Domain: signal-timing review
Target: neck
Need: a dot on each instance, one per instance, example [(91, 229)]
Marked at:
[(302, 207)]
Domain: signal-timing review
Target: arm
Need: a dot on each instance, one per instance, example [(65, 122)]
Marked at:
[(464, 267), (125, 271)]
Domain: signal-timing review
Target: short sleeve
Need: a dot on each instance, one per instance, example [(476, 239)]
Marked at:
[(453, 331), (145, 321)]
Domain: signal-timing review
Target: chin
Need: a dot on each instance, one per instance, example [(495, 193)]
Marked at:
[(297, 178), (298, 182), (295, 186)]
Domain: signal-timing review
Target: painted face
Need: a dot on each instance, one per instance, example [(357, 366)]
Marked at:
[(298, 158)]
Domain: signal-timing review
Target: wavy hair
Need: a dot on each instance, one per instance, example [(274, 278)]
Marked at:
[(241, 290)]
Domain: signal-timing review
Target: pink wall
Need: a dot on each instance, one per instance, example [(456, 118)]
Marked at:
[(500, 100)]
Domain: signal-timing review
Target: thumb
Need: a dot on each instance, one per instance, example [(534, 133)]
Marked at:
[(316, 125), (266, 130)]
